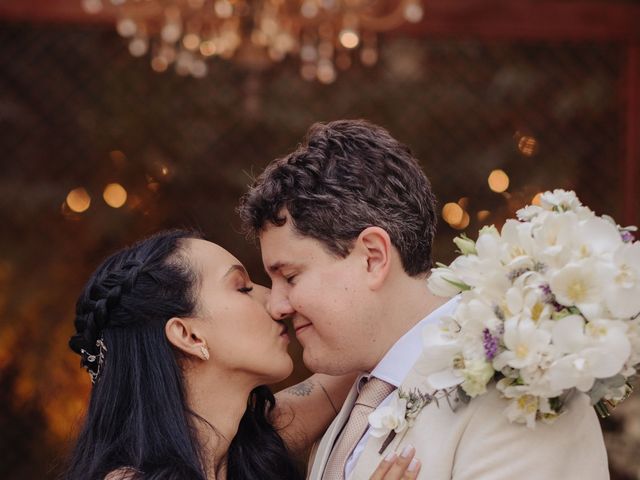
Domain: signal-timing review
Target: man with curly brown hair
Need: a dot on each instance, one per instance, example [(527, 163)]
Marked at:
[(346, 224)]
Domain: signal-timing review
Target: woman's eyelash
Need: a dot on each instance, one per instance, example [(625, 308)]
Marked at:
[(290, 278), (245, 289)]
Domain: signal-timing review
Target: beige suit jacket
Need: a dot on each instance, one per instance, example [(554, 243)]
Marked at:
[(477, 442)]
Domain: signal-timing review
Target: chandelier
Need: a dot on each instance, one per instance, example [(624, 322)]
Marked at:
[(326, 35)]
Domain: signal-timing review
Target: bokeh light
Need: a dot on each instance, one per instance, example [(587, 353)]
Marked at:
[(191, 41), (349, 38), (482, 215), (208, 48), (536, 199), (452, 213), (138, 46), (78, 200), (498, 181), (114, 195), (527, 145), (413, 12), (463, 223), (159, 64)]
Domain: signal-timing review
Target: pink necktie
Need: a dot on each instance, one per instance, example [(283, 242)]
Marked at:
[(371, 395)]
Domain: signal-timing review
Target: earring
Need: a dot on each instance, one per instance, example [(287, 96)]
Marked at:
[(205, 352)]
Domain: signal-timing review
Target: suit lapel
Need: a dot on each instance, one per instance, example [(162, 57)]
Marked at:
[(326, 444)]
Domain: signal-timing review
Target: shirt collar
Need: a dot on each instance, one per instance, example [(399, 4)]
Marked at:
[(398, 361)]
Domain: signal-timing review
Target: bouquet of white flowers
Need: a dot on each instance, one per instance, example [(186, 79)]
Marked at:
[(548, 306)]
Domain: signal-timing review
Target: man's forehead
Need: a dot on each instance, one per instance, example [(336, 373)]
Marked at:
[(279, 256), (283, 247)]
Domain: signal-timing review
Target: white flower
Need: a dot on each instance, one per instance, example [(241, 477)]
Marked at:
[(553, 238), (622, 294), (528, 408), (536, 381), (437, 360), (579, 284), (474, 316), (523, 410), (400, 413), (529, 212), (477, 374), (597, 349), (525, 344), (485, 274), (595, 238), (516, 240), (488, 243), (444, 283), (560, 200), (389, 417), (527, 298)]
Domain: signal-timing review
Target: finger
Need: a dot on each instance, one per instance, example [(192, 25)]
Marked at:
[(384, 467), (412, 470), (399, 467)]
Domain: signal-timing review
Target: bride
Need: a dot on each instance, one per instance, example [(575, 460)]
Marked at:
[(180, 346)]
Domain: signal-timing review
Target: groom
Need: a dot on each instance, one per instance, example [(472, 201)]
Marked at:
[(346, 224)]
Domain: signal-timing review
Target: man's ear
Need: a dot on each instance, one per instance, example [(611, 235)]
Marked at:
[(181, 334), (376, 245)]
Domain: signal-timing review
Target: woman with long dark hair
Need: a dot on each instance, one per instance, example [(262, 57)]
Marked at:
[(179, 347)]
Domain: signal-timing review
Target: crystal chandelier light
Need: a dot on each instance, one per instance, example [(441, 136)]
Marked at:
[(326, 35)]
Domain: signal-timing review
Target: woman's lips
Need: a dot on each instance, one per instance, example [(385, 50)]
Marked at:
[(284, 333)]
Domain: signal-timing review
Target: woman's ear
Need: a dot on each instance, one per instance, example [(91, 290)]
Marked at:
[(376, 245), (184, 337)]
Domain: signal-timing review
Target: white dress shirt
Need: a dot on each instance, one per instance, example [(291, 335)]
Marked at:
[(396, 364)]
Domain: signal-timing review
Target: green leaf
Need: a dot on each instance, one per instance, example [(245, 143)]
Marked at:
[(462, 286)]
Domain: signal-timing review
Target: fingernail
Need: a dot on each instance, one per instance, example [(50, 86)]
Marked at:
[(391, 457), (413, 465), (407, 451)]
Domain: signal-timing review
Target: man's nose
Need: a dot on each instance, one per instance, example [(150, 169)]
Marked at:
[(278, 304)]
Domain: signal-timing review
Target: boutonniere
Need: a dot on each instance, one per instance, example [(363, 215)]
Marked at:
[(398, 415)]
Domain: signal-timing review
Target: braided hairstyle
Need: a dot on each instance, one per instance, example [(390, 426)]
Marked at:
[(137, 416)]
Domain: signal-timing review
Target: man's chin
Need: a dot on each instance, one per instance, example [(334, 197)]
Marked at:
[(325, 364)]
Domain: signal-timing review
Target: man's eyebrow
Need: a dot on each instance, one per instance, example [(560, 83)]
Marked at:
[(274, 267), (236, 268)]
